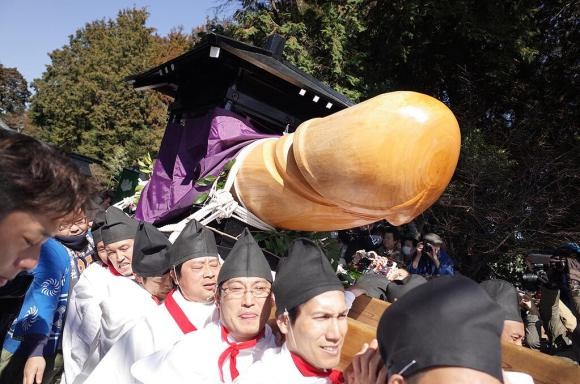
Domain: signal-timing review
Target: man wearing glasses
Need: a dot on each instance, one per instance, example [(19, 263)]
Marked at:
[(195, 265), (73, 233), (222, 351), (311, 312)]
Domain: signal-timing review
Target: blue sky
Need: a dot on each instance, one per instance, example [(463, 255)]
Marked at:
[(30, 29)]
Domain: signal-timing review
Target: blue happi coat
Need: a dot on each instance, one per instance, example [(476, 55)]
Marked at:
[(37, 331)]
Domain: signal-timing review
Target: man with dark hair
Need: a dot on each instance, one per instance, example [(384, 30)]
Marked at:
[(390, 244), (38, 187), (222, 351), (311, 312)]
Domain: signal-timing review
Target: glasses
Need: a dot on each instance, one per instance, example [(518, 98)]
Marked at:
[(237, 292), (77, 222)]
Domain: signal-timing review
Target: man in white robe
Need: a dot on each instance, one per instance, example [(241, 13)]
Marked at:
[(312, 314), (137, 251), (222, 351), (83, 318), (195, 265)]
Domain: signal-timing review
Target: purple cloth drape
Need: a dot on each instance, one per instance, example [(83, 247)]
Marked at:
[(192, 148)]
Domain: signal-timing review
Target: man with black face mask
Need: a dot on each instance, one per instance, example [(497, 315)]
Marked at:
[(73, 233)]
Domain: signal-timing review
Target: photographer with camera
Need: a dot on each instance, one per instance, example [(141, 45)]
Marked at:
[(561, 281), (356, 239), (430, 259), (559, 288)]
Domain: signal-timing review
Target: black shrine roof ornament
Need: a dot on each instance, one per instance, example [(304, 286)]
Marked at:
[(252, 81)]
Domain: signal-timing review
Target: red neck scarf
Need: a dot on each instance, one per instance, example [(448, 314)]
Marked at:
[(232, 351), (307, 370), (113, 270), (178, 315)]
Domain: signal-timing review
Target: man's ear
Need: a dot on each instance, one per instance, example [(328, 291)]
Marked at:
[(216, 298), (282, 321), (396, 379), (173, 275)]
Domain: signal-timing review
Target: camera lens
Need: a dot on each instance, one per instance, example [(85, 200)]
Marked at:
[(530, 277)]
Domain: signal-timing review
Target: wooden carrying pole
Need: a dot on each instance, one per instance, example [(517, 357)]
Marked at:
[(390, 157), (545, 369)]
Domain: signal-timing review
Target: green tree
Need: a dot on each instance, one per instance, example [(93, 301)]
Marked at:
[(508, 70), (82, 102), (14, 93), (321, 36)]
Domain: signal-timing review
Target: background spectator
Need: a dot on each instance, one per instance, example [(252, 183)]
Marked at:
[(430, 259), (506, 296), (73, 234), (357, 239), (390, 242)]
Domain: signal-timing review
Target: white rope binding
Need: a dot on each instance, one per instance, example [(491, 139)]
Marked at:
[(220, 204)]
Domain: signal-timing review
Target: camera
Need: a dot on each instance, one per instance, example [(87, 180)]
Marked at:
[(427, 249), (537, 269), (543, 268)]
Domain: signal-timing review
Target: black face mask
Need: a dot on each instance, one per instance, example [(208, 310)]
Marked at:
[(76, 243)]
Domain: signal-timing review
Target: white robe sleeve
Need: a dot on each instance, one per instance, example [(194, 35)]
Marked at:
[(83, 320), (193, 359), (138, 342), (124, 306), (169, 366)]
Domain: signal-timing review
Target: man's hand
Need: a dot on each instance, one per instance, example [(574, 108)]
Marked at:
[(367, 367), (34, 370), (525, 301)]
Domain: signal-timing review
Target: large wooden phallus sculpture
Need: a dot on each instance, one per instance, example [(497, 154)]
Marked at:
[(390, 157)]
